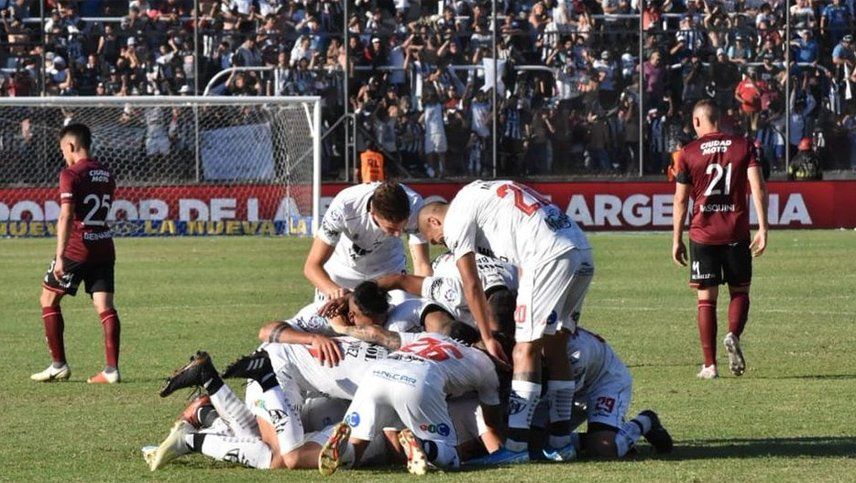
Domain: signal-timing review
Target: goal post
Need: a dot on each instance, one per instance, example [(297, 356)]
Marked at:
[(184, 165)]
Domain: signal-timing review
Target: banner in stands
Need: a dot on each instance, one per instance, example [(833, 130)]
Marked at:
[(263, 210)]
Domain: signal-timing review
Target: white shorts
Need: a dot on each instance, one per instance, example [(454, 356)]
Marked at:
[(319, 412), (608, 399), (467, 417), (435, 143), (413, 392), (376, 452), (550, 296)]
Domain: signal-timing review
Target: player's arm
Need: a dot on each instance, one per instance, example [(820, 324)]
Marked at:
[(421, 259), (477, 302), (314, 271), (759, 199), (326, 350), (493, 421), (679, 214), (408, 283), (63, 231), (373, 334)]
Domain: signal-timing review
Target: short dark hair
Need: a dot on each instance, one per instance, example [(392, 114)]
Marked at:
[(81, 134), (464, 333), (370, 298), (390, 202)]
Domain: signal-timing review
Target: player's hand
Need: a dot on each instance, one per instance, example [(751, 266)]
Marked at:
[(494, 348), (334, 307), (759, 243), (336, 293), (326, 350), (59, 269), (679, 253)]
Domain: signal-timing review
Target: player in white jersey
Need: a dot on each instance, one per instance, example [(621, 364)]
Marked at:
[(415, 382), (515, 224), (359, 238), (498, 279), (603, 383)]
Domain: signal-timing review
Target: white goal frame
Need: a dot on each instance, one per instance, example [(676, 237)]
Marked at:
[(311, 106)]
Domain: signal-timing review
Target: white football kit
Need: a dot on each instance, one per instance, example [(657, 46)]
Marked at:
[(406, 316), (445, 286), (601, 380), (517, 225), (415, 382), (363, 251)]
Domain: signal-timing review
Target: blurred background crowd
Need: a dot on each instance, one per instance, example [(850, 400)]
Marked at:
[(578, 86)]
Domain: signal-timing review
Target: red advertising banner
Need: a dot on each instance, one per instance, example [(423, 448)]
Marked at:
[(265, 209)]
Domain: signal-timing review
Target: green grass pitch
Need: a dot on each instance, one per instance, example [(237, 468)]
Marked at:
[(789, 418)]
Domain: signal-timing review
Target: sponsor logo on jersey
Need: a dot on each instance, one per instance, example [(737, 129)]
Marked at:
[(353, 419), (442, 429), (395, 377)]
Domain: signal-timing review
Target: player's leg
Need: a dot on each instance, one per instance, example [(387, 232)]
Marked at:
[(53, 291), (563, 286), (183, 439), (350, 438), (705, 277), (430, 435), (738, 274)]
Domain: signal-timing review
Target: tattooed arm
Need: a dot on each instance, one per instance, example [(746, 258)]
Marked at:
[(373, 334)]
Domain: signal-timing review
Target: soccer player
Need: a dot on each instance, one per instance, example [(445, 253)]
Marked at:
[(515, 224), (603, 383), (715, 170), (359, 238), (84, 253), (415, 382)]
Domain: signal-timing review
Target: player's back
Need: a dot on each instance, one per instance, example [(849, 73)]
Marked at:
[(716, 166), (90, 186), (512, 222), (299, 362), (462, 368), (492, 271), (591, 358)]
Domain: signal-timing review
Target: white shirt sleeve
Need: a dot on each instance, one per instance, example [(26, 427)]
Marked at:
[(489, 390), (333, 223), (459, 230)]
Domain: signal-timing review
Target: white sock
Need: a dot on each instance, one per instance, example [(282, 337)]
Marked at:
[(250, 452), (284, 417), (239, 417), (630, 433), (524, 397), (560, 397), (218, 427)]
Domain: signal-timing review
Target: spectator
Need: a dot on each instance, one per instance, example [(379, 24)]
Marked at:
[(748, 93)]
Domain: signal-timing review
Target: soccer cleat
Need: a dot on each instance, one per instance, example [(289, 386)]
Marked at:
[(172, 447), (417, 462), (105, 378), (501, 456), (331, 452), (191, 412), (255, 366), (194, 374), (566, 453), (735, 355), (657, 436), (708, 372), (149, 453), (52, 374)]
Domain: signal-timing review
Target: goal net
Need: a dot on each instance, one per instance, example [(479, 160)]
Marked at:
[(183, 165)]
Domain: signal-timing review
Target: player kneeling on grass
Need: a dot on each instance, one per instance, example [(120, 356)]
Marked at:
[(603, 383), (414, 382)]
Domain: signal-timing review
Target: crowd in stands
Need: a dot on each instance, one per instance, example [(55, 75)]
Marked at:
[(420, 76)]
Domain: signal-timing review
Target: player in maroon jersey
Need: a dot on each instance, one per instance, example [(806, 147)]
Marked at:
[(84, 252), (715, 170)]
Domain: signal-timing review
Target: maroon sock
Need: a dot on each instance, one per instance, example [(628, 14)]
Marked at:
[(54, 327), (707, 330), (111, 326), (738, 313)]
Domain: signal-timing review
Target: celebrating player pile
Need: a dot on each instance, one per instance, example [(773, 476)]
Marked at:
[(387, 366)]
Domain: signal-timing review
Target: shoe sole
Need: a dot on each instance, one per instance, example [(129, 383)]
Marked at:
[(165, 452), (103, 380), (417, 462), (707, 376), (328, 460), (736, 362), (168, 389)]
